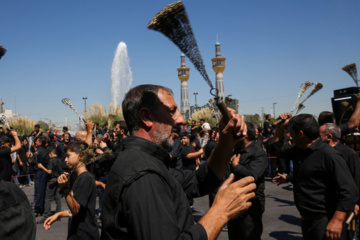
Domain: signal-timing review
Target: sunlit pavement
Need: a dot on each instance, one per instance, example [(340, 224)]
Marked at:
[(281, 220)]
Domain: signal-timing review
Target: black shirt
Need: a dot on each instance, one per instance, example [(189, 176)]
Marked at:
[(322, 181), (267, 132), (352, 161), (55, 165), (22, 155), (83, 225), (188, 164), (41, 156), (5, 164), (253, 162), (145, 199)]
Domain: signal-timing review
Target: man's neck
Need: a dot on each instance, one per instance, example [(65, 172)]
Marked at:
[(308, 143), (333, 143), (245, 144)]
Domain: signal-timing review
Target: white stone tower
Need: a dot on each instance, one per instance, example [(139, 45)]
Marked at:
[(218, 64), (183, 75)]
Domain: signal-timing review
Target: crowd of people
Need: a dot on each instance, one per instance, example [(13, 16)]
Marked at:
[(149, 168)]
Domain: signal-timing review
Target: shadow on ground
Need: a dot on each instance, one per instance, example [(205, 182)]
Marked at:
[(290, 219), (285, 202), (285, 235)]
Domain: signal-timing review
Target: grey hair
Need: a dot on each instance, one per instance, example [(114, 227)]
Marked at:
[(333, 130)]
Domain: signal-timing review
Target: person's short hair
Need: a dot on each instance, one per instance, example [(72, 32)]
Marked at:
[(77, 147), (251, 132), (6, 139), (123, 126), (65, 128), (333, 129), (52, 150), (260, 129), (306, 123), (37, 126), (43, 141), (267, 116), (185, 134), (142, 96), (202, 120), (67, 133), (326, 117)]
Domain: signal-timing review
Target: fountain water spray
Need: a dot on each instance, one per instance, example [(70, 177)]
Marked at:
[(121, 75)]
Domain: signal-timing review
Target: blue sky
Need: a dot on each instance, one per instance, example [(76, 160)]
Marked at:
[(65, 48)]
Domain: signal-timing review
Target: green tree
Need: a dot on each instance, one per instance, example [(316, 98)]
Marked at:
[(43, 125)]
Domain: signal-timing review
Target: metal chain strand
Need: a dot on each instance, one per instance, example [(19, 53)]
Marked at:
[(67, 102), (173, 22)]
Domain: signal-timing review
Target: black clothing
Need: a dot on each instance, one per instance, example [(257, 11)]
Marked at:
[(144, 199), (248, 225), (23, 169), (187, 164), (352, 161), (322, 185), (209, 147), (176, 161), (41, 156), (83, 225), (195, 131), (55, 165), (253, 162), (5, 164), (322, 166), (344, 129), (16, 217), (267, 129)]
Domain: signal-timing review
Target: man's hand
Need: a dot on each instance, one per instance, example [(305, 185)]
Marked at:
[(106, 137), (233, 198), (333, 229), (356, 210), (89, 125), (286, 118), (235, 127), (13, 133), (235, 159), (279, 179)]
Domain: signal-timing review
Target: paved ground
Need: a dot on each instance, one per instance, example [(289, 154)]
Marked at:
[(281, 220)]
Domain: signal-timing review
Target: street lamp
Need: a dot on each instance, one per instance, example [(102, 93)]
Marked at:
[(195, 93), (274, 108), (85, 102)]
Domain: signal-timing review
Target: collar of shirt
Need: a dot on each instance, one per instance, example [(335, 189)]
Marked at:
[(146, 146)]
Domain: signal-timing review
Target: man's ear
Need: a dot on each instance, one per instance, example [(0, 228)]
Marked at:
[(146, 117)]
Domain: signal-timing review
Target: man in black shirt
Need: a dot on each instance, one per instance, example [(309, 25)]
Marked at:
[(144, 199), (5, 150), (324, 191), (249, 160), (267, 126), (40, 179), (190, 157), (330, 134)]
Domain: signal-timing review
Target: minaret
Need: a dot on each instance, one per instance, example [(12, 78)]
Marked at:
[(218, 64), (183, 75)]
